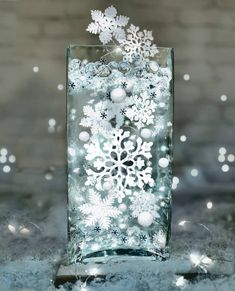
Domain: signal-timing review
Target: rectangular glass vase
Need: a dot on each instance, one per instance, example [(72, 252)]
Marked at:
[(119, 149)]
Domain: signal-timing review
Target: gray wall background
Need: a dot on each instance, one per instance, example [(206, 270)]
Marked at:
[(36, 33)]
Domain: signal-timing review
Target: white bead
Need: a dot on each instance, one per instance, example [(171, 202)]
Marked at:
[(146, 133), (154, 66), (122, 207), (130, 85), (118, 95), (84, 136), (145, 219), (107, 186), (163, 162)]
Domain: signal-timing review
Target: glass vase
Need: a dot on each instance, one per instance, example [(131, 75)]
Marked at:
[(119, 149)]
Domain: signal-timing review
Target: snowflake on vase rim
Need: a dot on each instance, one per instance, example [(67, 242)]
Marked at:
[(99, 210), (143, 201), (121, 161), (142, 110), (138, 44), (108, 25)]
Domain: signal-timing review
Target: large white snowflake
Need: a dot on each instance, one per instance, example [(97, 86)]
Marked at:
[(99, 210), (108, 25), (144, 201), (142, 110), (138, 44), (121, 160)]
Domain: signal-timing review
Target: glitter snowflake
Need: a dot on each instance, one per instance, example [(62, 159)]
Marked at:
[(121, 160), (144, 201), (108, 25), (138, 44), (142, 110), (99, 210)]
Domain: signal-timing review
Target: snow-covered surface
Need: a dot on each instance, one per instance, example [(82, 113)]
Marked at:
[(30, 259)]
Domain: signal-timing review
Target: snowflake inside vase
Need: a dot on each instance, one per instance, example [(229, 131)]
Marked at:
[(119, 125)]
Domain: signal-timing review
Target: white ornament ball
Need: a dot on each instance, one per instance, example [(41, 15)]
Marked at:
[(84, 136), (146, 133), (163, 162), (107, 186), (118, 95), (122, 207), (130, 85), (154, 66), (145, 219)]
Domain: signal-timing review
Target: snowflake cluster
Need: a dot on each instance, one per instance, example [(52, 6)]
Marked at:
[(135, 43)]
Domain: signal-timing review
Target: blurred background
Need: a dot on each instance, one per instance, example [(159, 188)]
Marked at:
[(33, 40)]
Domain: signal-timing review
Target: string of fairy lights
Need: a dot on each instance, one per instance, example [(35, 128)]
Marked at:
[(202, 262)]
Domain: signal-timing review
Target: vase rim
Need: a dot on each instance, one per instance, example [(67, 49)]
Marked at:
[(109, 45)]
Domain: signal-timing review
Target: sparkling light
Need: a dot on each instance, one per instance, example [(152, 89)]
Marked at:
[(3, 151), (25, 230), (209, 205), (222, 151), (183, 138), (180, 281), (3, 159), (35, 69), (60, 87), (118, 50), (52, 122), (182, 222), (94, 271), (195, 259), (225, 168), (84, 289), (186, 77), (206, 260), (194, 172), (223, 98), (6, 169), (221, 158), (231, 158), (11, 228), (12, 159)]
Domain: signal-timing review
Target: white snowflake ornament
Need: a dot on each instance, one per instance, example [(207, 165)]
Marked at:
[(99, 210), (120, 160), (108, 25), (138, 44)]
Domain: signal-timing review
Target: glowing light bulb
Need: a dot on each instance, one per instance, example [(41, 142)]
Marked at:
[(186, 77), (222, 151), (194, 172), (180, 281), (182, 222), (195, 259), (209, 205), (223, 98), (35, 69), (183, 138), (225, 168), (94, 271)]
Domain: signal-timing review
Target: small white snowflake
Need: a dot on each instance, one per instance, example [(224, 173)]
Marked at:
[(144, 201), (97, 118), (99, 210), (142, 110), (121, 160), (108, 25), (138, 44)]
